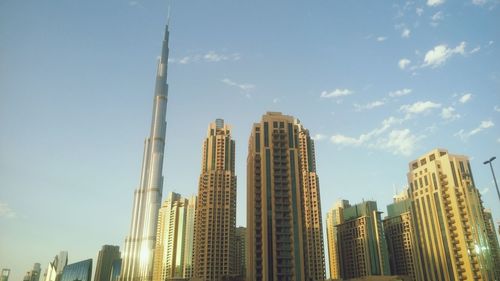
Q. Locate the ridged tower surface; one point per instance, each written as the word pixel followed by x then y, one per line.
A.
pixel 138 255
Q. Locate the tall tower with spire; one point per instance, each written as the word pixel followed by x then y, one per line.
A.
pixel 139 245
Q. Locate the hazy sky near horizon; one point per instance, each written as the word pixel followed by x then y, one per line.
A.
pixel 378 83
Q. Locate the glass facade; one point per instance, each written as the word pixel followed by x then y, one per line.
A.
pixel 80 271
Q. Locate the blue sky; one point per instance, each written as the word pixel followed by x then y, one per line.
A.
pixel 378 83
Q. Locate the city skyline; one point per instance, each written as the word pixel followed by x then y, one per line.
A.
pixel 398 122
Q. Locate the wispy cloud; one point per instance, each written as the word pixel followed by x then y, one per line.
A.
pixel 242 86
pixel 419 11
pixel 496 108
pixel 448 113
pixel 400 93
pixel 381 39
pixel 465 98
pixel 318 137
pixel 484 125
pixel 6 211
pixel 336 93
pixel 441 53
pixel 419 107
pixel 397 141
pixel 475 50
pixel 434 2
pixel 370 105
pixel 437 18
pixel 403 63
pixel 406 33
pixel 210 56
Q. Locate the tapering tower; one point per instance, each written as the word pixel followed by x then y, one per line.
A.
pixel 139 245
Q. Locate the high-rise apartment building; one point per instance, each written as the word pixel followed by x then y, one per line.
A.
pixel 116 268
pixel 81 271
pixel 33 274
pixel 398 229
pixel 362 246
pixel 215 227
pixel 107 255
pixel 448 218
pixel 240 246
pixel 174 239
pixel 494 248
pixel 334 217
pixel 137 262
pixel 284 224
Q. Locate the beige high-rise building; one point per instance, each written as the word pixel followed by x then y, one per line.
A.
pixel 334 217
pixel 285 238
pixel 448 218
pixel 241 246
pixel 361 242
pixel 493 242
pixel 174 240
pixel 216 209
pixel 398 228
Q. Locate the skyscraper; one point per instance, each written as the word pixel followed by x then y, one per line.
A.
pixel 240 256
pixel 334 217
pixel 448 218
pixel 139 245
pixel 399 233
pixel 33 274
pixel 5 274
pixel 78 271
pixel 493 243
pixel 214 246
pixel 107 255
pixel 55 268
pixel 285 237
pixel 361 241
pixel 174 241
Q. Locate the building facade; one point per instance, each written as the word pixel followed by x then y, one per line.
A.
pixel 285 236
pixel 55 268
pixel 5 274
pixel 215 226
pixel 334 217
pixel 494 248
pixel 174 240
pixel 116 268
pixel 81 271
pixel 398 228
pixel 447 213
pixel 140 243
pixel 362 246
pixel 241 246
pixel 107 255
pixel 33 274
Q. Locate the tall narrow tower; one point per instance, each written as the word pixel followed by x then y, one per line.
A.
pixel 139 244
pixel 214 247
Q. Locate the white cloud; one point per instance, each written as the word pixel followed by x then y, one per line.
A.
pixel 484 190
pixel 406 33
pixel 381 38
pixel 6 211
pixel 210 56
pixel 465 98
pixel 448 113
pixel 441 53
pixel 370 105
pixel 276 100
pixel 400 93
pixel 344 140
pixel 419 107
pixel 434 2
pixel 336 93
pixel 403 63
pixel 419 11
pixel 318 137
pixel 484 125
pixel 496 108
pixel 475 50
pixel 243 86
pixel 479 2
pixel 399 142
pixel 438 16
